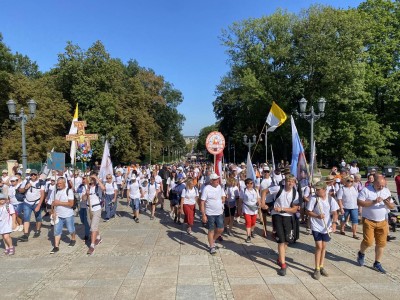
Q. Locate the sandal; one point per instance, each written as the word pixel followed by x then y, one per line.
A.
pixel 11 251
pixel 343 233
pixel 356 237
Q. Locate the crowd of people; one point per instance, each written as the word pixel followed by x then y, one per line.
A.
pixel 221 200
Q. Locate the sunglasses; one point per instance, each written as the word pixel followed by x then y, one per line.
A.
pixel 33 174
pixel 108 177
pixel 348 181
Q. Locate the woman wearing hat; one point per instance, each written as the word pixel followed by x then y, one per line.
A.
pixel 251 202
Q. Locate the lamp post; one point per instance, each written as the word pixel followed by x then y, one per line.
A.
pixel 248 142
pixel 311 118
pixel 23 118
pixel 234 154
pixel 266 143
pixel 111 141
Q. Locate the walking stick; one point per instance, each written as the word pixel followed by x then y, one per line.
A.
pixel 320 210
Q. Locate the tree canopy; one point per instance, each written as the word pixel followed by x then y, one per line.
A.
pixel 349 57
pixel 127 101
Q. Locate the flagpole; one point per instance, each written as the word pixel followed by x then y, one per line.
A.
pixel 266 144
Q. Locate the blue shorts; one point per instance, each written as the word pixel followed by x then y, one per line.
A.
pixel 353 215
pixel 19 208
pixel 318 236
pixel 215 221
pixel 28 209
pixel 134 204
pixel 69 223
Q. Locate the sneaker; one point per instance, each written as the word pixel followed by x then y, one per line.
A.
pixel 253 235
pixel 317 274
pixel 106 220
pixel 248 240
pixel 98 241
pixel 390 238
pixel 171 214
pixel 324 272
pixel 23 238
pixel 348 225
pixel 189 232
pixel 20 227
pixel 72 243
pixel 54 250
pixel 378 267
pixel 308 230
pixel 137 220
pixel 6 251
pixel 11 251
pixel 36 234
pixel 90 251
pixel 278 262
pixel 212 250
pixel 282 271
pixel 360 258
pixel 151 218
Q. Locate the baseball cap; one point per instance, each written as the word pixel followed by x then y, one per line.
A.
pixel 214 176
pixel 28 171
pixel 5 171
pixel 33 171
pixel 266 168
pixel 13 178
pixel 329 178
pixel 320 185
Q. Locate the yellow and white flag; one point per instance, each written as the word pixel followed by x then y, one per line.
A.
pixel 276 117
pixel 73 130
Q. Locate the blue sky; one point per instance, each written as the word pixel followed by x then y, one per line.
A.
pixel 178 39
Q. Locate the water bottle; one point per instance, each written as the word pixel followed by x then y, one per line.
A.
pixel 342 218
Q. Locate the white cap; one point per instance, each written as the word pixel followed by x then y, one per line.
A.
pixel 5 171
pixel 266 168
pixel 28 171
pixel 214 176
pixel 133 177
pixel 180 169
pixel 13 178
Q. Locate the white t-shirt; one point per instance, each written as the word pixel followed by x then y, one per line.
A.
pixel 94 198
pixel 6 218
pixel 119 179
pixel 265 183
pixel 110 188
pixel 213 200
pixel 33 193
pixel 272 191
pixel 232 193
pixel 76 181
pixel 50 188
pixel 378 211
pixel 348 195
pixel 328 206
pixel 63 211
pixel 354 170
pixel 277 178
pixel 83 203
pixel 158 180
pixel 152 190
pixel 249 198
pixel 11 195
pixel 284 200
pixel 189 196
pixel 134 189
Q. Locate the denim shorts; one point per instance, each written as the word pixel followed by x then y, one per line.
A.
pixel 28 209
pixel 134 204
pixel 19 208
pixel 217 221
pixel 69 223
pixel 353 215
pixel 318 236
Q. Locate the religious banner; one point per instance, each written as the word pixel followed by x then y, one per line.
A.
pixel 56 161
pixel 83 151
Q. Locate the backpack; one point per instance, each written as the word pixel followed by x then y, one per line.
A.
pixel 174 193
pixel 280 192
pixel 19 196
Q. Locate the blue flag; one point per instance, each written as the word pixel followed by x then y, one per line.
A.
pixel 298 166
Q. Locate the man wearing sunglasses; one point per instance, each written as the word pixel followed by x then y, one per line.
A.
pixel 34 196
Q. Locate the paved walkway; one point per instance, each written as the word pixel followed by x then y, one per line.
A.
pixel 157 259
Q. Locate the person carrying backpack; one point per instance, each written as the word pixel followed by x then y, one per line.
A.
pixel 322 210
pixel 285 206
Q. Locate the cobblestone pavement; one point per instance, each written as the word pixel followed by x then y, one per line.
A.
pixel 157 259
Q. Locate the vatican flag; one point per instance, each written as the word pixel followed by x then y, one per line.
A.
pixel 276 117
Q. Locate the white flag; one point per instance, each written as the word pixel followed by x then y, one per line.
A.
pixel 73 130
pixel 106 164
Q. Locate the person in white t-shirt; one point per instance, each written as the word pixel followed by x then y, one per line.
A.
pixel 347 198
pixel 62 205
pixel 110 197
pixel 150 192
pixel 134 194
pixel 7 220
pixel 189 198
pixel 232 197
pixel 375 199
pixel 212 207
pixel 250 199
pixel 319 209
pixel 285 206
